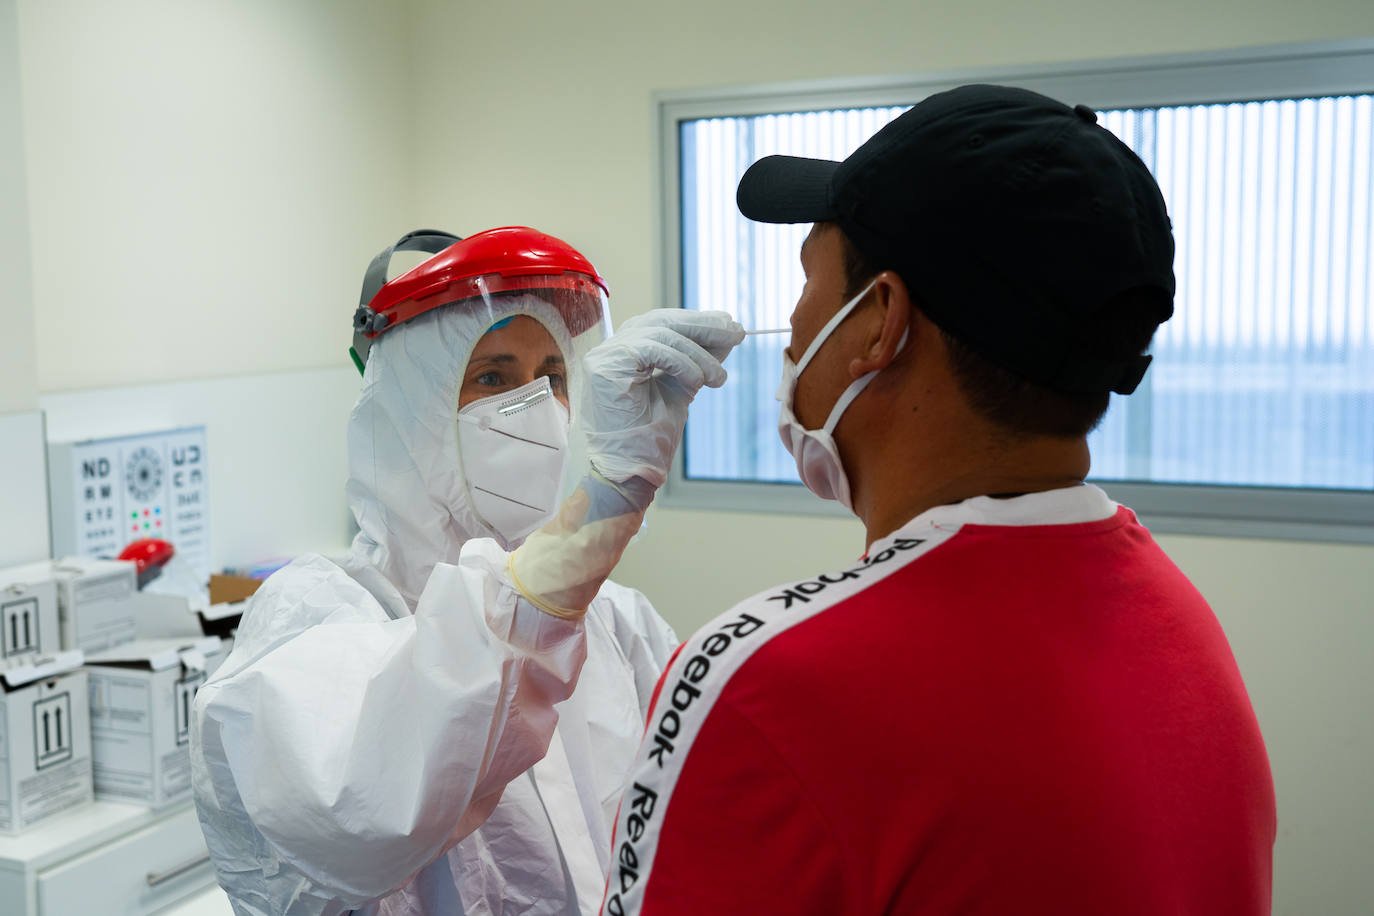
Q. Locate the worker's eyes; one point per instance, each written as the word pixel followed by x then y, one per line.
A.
pixel 558 382
pixel 497 381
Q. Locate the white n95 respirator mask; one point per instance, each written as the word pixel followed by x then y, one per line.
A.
pixel 514 446
pixel 814 450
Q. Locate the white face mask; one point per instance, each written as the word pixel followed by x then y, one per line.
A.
pixel 814 450
pixel 513 447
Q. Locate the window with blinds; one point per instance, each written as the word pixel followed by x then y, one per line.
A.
pixel 1257 414
pixel 1265 374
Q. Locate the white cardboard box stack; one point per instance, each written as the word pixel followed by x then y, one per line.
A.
pixel 118 729
pixel 140 698
pixel 93 608
pixel 28 613
pixel 95 602
pixel 45 741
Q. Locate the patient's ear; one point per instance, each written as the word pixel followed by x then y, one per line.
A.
pixel 885 338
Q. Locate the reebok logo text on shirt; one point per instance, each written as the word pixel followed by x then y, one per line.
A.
pixel 689 689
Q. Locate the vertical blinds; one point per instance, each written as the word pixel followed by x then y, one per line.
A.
pixel 1265 374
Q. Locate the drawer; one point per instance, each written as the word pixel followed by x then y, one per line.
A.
pixel 136 874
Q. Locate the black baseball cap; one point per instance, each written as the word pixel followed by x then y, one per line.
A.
pixel 1012 218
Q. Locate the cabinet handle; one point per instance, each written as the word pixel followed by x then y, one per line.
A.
pixel 190 864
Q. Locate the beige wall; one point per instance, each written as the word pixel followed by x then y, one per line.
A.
pixel 542 114
pixel 545 117
pixel 18 367
pixel 1300 618
pixel 207 181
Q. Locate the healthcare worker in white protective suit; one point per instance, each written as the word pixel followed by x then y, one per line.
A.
pixel 443 723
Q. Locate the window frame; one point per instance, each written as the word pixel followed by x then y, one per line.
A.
pixel 1248 74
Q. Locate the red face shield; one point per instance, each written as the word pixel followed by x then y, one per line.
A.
pixel 506 261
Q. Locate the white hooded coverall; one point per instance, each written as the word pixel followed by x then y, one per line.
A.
pixel 377 740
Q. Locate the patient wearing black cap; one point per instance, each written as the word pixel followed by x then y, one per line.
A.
pixel 1014 702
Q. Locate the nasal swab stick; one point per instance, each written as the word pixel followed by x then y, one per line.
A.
pixel 769 331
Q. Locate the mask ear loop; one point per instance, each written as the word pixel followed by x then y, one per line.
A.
pixel 833 323
pixel 854 390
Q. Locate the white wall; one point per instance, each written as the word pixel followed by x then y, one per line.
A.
pixel 554 127
pixel 208 180
pixel 23 507
pixel 277 462
pixel 25 532
pixel 1300 618
pixel 18 366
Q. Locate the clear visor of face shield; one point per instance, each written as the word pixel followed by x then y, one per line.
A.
pixel 571 308
pixel 581 303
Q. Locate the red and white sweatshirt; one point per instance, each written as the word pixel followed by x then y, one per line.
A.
pixel 1009 706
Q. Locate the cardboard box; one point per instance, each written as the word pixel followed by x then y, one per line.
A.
pixel 28 614
pixel 95 602
pixel 230 596
pixel 45 741
pixel 226 589
pixel 140 701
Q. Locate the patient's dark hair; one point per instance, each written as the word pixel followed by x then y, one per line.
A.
pixel 1021 408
